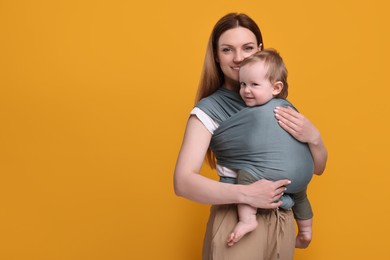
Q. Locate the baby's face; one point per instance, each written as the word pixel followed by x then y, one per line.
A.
pixel 255 87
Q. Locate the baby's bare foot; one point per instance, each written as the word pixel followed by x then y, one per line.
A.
pixel 240 230
pixel 303 239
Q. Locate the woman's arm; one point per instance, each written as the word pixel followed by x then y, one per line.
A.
pixel 190 184
pixel 304 131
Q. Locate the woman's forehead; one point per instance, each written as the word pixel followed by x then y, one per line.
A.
pixel 237 36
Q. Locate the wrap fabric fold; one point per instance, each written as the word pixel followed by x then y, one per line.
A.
pixel 221 105
pixel 250 140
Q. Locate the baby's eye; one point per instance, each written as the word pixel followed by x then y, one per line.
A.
pixel 242 84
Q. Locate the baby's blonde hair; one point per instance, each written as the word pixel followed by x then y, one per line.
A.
pixel 277 70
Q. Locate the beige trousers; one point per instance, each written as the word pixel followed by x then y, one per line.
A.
pixel 274 237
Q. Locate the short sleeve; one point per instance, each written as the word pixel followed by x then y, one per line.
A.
pixel 209 123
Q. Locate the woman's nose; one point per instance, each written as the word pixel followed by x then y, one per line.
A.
pixel 238 57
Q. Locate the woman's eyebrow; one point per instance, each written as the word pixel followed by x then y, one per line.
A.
pixel 225 44
pixel 230 45
pixel 249 43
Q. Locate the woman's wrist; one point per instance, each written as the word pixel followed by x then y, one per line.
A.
pixel 241 196
pixel 316 139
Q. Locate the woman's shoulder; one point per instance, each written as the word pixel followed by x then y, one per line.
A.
pixel 222 96
pixel 221 105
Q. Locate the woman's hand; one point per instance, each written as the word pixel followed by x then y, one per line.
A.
pixel 304 131
pixel 265 194
pixel 297 125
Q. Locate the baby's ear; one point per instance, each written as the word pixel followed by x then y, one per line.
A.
pixel 278 86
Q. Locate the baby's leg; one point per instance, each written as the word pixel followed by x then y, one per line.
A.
pixel 304 235
pixel 303 215
pixel 302 208
pixel 247 223
pixel 246 214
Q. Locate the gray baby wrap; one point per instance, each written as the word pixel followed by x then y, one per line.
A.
pixel 251 140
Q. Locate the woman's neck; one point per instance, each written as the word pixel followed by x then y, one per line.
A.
pixel 233 86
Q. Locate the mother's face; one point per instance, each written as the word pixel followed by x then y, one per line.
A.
pixel 233 47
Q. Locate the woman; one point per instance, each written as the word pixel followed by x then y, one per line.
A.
pixel 235 37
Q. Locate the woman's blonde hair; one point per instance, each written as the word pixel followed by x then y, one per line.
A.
pixel 212 76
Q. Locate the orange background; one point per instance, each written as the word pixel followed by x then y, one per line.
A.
pixel 94 96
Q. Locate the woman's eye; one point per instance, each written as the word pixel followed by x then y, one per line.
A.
pixel 249 48
pixel 226 49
